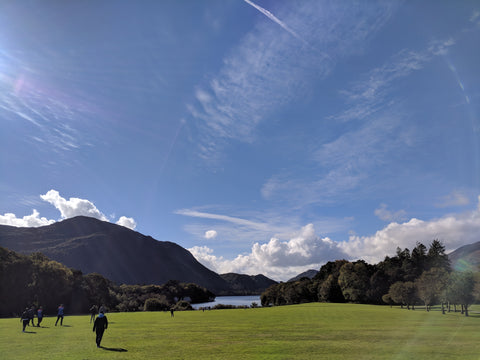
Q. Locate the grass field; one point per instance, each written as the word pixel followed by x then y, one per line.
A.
pixel 310 331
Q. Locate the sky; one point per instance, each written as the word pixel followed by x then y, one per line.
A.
pixel 263 136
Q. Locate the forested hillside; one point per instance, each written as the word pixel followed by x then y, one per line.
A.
pixel 418 277
pixel 37 280
pixel 121 255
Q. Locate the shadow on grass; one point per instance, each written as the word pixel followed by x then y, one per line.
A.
pixel 113 349
pixel 29 332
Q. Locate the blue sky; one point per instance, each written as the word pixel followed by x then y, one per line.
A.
pixel 264 136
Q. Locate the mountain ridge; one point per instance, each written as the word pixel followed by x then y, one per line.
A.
pixel 118 253
pixel 466 257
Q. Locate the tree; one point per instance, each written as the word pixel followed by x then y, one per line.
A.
pixel 379 284
pixel 354 281
pixel 419 259
pixel 403 293
pixel 430 285
pixel 436 257
pixel 462 288
pixel 330 291
pixel 328 288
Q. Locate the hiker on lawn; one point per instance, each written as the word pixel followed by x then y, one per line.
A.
pixel 100 325
pixel 93 312
pixel 31 314
pixel 60 315
pixel 25 319
pixel 39 316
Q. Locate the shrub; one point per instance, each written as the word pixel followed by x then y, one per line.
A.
pixel 182 305
pixel 155 304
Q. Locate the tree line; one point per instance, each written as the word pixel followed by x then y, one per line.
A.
pixel 36 280
pixel 409 278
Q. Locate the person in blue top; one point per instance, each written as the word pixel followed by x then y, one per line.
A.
pixel 39 316
pixel 60 315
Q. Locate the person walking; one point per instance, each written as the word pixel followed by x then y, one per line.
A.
pixel 93 312
pixel 39 316
pixel 25 318
pixel 60 315
pixel 31 314
pixel 100 325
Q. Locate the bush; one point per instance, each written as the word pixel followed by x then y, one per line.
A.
pixel 182 305
pixel 155 304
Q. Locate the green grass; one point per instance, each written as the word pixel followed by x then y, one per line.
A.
pixel 310 331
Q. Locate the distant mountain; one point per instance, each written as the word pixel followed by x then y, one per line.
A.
pixel 123 255
pixel 247 284
pixel 309 274
pixel 118 253
pixel 466 257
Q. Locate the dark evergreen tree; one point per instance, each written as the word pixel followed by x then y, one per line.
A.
pixel 436 256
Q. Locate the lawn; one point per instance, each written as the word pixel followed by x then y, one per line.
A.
pixel 310 331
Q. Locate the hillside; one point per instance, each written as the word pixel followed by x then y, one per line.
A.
pixel 116 252
pixel 247 284
pixel 308 274
pixel 466 257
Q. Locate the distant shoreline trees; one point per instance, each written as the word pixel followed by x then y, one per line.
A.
pixel 37 280
pixel 407 279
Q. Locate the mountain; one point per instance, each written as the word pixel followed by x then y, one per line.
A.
pixel 118 253
pixel 123 255
pixel 247 284
pixel 466 257
pixel 309 274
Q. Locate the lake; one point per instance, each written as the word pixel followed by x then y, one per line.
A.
pixel 231 300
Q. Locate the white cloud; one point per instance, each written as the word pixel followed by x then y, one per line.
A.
pixel 33 220
pixel 386 215
pixel 210 234
pixel 456 198
pixel 68 209
pixel 205 255
pixel 73 207
pixel 127 222
pixel 276 259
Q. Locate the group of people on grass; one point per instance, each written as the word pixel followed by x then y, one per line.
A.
pixel 100 323
pixel 29 314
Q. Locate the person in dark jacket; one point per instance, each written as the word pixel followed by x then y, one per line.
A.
pixel 100 325
pixel 25 318
pixel 31 314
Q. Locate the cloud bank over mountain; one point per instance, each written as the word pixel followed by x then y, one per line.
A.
pixel 67 208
